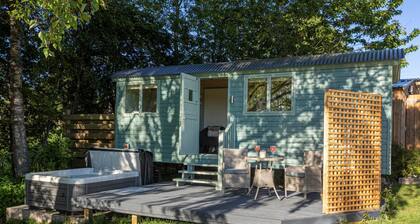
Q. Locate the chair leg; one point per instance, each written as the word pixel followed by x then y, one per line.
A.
pixel 256 193
pixel 305 195
pixel 275 191
pixel 285 193
pixel 249 190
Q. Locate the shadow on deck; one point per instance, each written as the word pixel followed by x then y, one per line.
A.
pixel 203 204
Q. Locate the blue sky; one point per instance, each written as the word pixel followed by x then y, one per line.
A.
pixel 410 18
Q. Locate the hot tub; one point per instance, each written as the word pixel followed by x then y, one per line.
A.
pixel 110 169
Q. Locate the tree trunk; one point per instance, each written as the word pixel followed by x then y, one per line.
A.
pixel 19 144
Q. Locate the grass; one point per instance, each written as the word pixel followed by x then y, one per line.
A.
pixel 111 219
pixel 407 198
pixel 124 219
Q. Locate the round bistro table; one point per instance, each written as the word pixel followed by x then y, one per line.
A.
pixel 264 177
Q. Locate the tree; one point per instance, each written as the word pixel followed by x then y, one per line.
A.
pixel 141 33
pixel 50 19
pixel 233 30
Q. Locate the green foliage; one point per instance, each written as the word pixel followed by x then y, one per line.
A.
pixel 11 194
pixel 412 164
pixel 404 162
pixel 247 29
pixel 402 205
pixel 51 19
pixel 54 155
pixel 50 156
pixel 390 207
pixel 124 219
pixel 5 164
pixel 30 221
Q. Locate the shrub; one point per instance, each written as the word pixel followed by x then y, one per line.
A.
pixel 390 207
pixel 405 163
pixel 5 163
pixel 11 194
pixel 412 163
pixel 54 155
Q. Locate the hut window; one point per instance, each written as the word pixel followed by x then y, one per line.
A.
pixel 149 99
pixel 281 94
pixel 257 95
pixel 271 94
pixel 132 96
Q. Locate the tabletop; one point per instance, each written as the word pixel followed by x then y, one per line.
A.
pixel 265 159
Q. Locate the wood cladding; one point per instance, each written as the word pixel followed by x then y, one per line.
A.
pixel 88 131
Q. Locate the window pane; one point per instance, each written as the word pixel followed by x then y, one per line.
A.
pixel 190 95
pixel 149 103
pixel 132 99
pixel 281 94
pixel 257 95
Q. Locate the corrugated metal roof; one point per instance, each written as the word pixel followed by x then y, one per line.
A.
pixel 404 83
pixel 260 64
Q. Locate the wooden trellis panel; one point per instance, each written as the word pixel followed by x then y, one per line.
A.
pixel 352 153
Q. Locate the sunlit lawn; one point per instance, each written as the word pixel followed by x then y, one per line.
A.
pixel 408 201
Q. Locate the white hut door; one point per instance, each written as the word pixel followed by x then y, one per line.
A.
pixel 189 115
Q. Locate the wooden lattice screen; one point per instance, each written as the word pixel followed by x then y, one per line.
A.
pixel 352 154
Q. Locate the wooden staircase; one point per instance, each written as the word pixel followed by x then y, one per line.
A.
pixel 191 172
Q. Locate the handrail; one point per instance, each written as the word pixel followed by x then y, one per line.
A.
pixel 229 135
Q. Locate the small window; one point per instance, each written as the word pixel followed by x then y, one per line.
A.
pixel 281 94
pixel 257 95
pixel 149 99
pixel 132 97
pixel 190 95
pixel 271 94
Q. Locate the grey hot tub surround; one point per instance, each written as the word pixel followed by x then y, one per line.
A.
pixel 110 169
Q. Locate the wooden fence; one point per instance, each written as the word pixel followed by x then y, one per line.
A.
pixel 352 151
pixel 412 139
pixel 406 120
pixel 89 130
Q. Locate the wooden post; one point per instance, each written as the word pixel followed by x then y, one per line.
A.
pixel 134 219
pixel 86 215
pixel 324 197
pixel 219 186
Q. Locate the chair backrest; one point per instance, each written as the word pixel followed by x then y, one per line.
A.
pixel 310 158
pixel 235 158
pixel 313 158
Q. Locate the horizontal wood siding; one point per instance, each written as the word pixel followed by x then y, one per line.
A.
pixel 87 131
pixel 303 128
pixel 157 132
pixel 297 131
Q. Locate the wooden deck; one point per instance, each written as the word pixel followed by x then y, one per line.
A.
pixel 202 204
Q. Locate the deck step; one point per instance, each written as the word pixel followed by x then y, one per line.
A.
pixel 210 173
pixel 198 164
pixel 196 181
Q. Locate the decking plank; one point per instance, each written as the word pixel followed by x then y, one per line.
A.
pixel 201 204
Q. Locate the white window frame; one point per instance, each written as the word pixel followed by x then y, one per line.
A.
pixel 268 77
pixel 141 87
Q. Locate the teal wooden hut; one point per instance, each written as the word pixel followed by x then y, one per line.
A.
pixel 172 110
